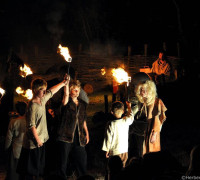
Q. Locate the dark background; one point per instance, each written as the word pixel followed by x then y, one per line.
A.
pixel 129 22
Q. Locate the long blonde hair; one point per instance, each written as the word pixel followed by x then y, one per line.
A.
pixel 150 87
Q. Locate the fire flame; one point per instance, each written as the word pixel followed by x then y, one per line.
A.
pixel 2 91
pixel 25 93
pixel 120 75
pixel 25 71
pixel 103 71
pixel 64 51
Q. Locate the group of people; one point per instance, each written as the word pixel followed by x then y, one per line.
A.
pixel 28 133
pixel 148 112
pixel 131 132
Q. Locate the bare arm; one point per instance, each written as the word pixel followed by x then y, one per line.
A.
pixel 35 134
pixel 9 135
pixel 86 131
pixel 57 87
pixel 66 94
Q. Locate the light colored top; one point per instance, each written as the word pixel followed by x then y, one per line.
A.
pixel 15 135
pixel 161 67
pixel 116 140
pixel 36 116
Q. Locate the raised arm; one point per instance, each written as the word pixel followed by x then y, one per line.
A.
pixel 57 87
pixel 66 94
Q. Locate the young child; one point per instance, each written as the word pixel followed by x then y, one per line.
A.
pixel 116 140
pixel 14 140
pixel 73 133
pixel 32 159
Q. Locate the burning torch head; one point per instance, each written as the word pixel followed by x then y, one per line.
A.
pixel 69 59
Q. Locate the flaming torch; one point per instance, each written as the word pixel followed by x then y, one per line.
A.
pixel 64 51
pixel 25 71
pixel 103 71
pixel 120 75
pixel 25 93
pixel 2 92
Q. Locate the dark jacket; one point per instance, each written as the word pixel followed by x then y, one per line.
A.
pixel 72 116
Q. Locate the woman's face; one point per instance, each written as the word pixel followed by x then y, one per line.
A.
pixel 143 92
pixel 75 92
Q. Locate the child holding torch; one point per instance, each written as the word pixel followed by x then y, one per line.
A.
pixel 73 133
pixel 32 159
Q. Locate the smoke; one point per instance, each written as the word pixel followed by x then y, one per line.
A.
pixel 54 19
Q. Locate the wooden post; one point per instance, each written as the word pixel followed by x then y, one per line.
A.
pixel 106 103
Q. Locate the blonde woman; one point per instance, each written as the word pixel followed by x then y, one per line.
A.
pixel 153 109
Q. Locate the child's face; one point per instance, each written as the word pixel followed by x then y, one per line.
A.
pixel 75 92
pixel 118 113
pixel 41 92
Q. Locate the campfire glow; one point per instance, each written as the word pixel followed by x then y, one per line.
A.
pixel 25 93
pixel 25 71
pixel 120 75
pixel 64 51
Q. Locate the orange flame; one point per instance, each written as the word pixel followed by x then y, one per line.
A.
pixel 64 51
pixel 120 75
pixel 25 93
pixel 2 91
pixel 103 71
pixel 25 71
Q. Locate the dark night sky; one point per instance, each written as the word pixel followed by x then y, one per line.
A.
pixel 127 22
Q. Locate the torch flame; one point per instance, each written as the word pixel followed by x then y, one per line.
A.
pixel 19 90
pixel 25 71
pixel 120 75
pixel 64 51
pixel 2 91
pixel 28 94
pixel 103 71
pixel 25 93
